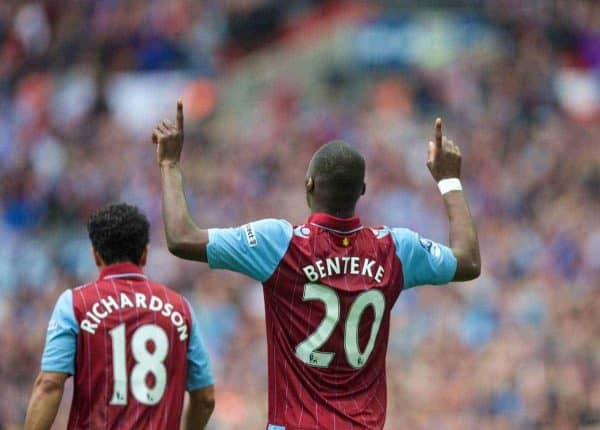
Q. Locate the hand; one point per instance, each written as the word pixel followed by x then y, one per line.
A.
pixel 168 139
pixel 444 156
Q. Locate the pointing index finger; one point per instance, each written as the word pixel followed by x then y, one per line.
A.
pixel 438 132
pixel 179 115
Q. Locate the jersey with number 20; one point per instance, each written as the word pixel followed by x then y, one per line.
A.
pixel 329 286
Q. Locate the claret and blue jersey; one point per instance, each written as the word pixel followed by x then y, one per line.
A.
pixel 329 286
pixel 133 347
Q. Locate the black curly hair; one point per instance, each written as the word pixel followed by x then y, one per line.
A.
pixel 119 233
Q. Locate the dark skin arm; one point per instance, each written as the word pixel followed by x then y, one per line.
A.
pixel 202 404
pixel 444 162
pixel 45 400
pixel 184 238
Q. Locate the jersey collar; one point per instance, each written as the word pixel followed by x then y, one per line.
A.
pixel 335 224
pixel 122 270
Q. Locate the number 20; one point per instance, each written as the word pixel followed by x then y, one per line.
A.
pixel 307 349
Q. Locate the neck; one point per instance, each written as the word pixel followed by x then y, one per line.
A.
pixel 101 264
pixel 336 212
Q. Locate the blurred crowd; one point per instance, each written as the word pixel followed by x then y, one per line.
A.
pixel 518 348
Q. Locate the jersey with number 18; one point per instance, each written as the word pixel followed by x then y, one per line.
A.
pixel 329 286
pixel 133 347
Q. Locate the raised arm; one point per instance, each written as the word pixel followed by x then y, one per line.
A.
pixel 444 163
pixel 184 238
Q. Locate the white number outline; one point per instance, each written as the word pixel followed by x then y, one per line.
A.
pixel 355 357
pixel 146 362
pixel 119 359
pixel 307 350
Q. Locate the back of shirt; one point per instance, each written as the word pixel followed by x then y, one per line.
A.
pixel 328 315
pixel 329 288
pixel 137 350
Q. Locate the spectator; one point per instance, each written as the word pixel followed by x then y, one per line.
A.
pixel 519 348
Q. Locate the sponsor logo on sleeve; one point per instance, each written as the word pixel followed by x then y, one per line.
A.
pixel 431 247
pixel 250 235
pixel 52 325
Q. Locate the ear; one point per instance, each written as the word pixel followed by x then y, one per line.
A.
pixel 364 189
pixel 309 183
pixel 144 257
pixel 97 259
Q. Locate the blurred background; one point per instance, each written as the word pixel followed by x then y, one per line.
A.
pixel 264 84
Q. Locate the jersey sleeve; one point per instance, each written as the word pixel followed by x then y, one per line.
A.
pixel 61 338
pixel 423 261
pixel 254 249
pixel 199 373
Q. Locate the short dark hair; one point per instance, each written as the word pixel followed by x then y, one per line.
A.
pixel 119 233
pixel 339 172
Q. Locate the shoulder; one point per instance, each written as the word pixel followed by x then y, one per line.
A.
pixel 424 261
pixel 380 234
pixel 64 311
pixel 379 231
pixel 84 295
pixel 404 240
pixel 65 300
pixel 83 289
pixel 401 233
pixel 409 243
pixel 177 300
pixel 253 249
pixel 268 229
pixel 403 237
pixel 255 236
pixel 252 233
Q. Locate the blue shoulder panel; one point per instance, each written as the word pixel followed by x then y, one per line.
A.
pixel 423 261
pixel 254 249
pixel 199 373
pixel 61 339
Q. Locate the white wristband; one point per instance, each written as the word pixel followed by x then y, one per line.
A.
pixel 450 184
